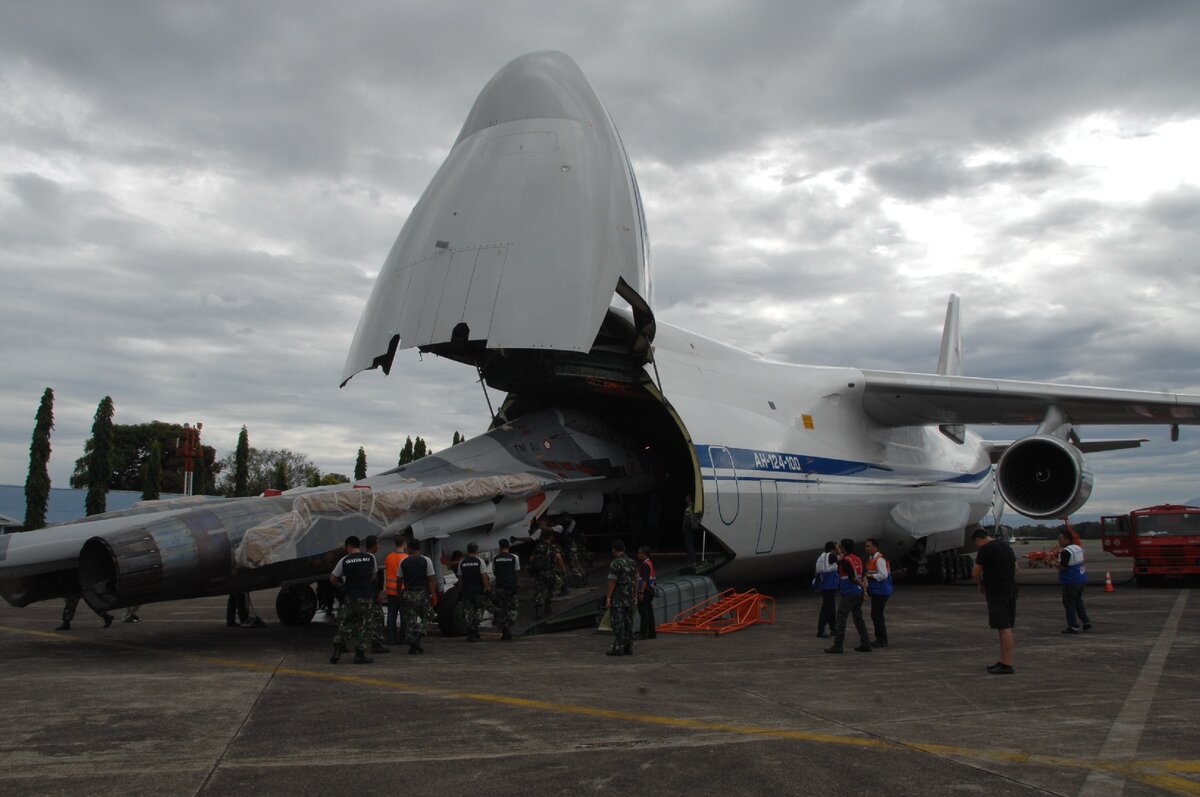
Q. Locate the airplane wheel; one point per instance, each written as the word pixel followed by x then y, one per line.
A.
pixel 451 613
pixel 296 604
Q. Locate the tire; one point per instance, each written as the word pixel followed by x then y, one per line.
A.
pixel 296 604
pixel 451 613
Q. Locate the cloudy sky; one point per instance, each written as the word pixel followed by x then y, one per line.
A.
pixel 195 198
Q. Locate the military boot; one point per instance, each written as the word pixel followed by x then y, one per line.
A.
pixel 66 626
pixel 361 658
pixel 337 654
pixel 616 651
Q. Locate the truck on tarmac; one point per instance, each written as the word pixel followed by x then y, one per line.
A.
pixel 1163 541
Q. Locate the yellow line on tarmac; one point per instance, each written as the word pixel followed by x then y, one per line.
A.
pixel 1164 774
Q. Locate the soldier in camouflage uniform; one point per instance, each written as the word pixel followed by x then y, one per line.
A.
pixel 622 574
pixel 504 590
pixel 474 586
pixel 576 551
pixel 357 572
pixel 547 567
pixel 416 599
pixel 371 543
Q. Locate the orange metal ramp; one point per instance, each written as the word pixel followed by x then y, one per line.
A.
pixel 723 613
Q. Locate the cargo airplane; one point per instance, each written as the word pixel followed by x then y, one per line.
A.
pixel 527 259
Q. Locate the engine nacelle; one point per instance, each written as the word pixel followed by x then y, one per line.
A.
pixel 1043 477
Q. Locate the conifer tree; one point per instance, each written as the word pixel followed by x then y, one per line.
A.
pixel 241 465
pixel 360 465
pixel 419 449
pixel 100 464
pixel 406 453
pixel 457 439
pixel 37 483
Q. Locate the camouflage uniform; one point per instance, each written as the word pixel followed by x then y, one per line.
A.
pixel 504 608
pixel 624 572
pixel 547 579
pixel 575 555
pixel 473 608
pixel 376 624
pixel 416 609
pixel 354 623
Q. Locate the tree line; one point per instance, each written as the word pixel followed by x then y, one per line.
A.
pixel 149 457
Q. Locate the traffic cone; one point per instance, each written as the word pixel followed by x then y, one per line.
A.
pixel 1108 587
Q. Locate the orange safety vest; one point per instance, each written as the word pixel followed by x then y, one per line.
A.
pixel 391 567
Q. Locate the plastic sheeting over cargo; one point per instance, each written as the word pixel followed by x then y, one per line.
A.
pixel 388 510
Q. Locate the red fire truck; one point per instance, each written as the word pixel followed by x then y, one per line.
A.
pixel 1163 540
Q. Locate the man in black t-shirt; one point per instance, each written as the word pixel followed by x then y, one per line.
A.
pixel 996 574
pixel 474 590
pixel 356 572
pixel 504 592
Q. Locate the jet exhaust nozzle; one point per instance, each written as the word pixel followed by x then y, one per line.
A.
pixel 1042 476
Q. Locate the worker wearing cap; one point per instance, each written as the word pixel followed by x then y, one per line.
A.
pixel 1073 577
pixel 356 571
pixel 879 589
pixel 622 574
pixel 505 566
pixel 474 585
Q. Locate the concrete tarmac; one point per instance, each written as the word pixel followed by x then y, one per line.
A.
pixel 181 704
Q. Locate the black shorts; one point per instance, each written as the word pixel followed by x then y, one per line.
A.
pixel 1002 610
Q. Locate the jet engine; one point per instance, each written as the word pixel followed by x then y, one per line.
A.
pixel 1042 476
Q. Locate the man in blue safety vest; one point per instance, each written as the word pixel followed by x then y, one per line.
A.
pixel 879 589
pixel 1073 577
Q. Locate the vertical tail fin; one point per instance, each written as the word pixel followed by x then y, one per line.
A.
pixel 950 357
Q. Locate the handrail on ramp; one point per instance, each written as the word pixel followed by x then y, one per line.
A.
pixel 723 613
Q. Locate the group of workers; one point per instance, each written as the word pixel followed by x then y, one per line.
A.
pixel 406 582
pixel 845 582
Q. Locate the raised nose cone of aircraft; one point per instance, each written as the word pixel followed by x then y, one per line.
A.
pixel 542 85
pixel 524 233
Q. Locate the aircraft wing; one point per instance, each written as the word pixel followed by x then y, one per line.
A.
pixel 905 399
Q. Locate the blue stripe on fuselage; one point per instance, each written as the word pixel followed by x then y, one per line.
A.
pixel 749 459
